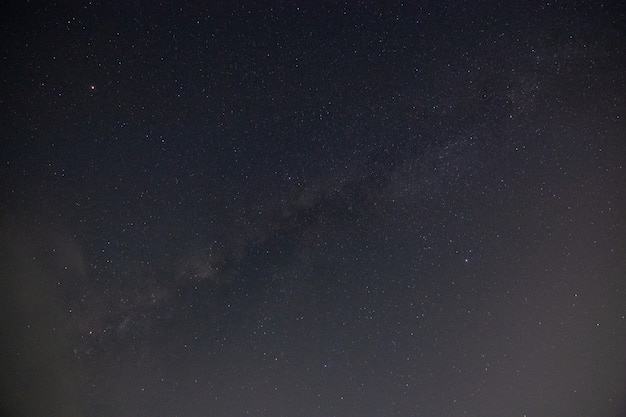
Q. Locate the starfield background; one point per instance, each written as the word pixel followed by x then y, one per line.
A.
pixel 312 209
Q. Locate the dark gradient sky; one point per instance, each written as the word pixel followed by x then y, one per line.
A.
pixel 313 209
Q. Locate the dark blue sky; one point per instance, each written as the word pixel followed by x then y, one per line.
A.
pixel 313 209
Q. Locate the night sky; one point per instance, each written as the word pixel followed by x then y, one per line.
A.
pixel 313 209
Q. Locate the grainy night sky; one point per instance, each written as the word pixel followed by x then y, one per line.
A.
pixel 313 209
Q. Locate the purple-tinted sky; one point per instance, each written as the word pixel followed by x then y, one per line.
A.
pixel 311 209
